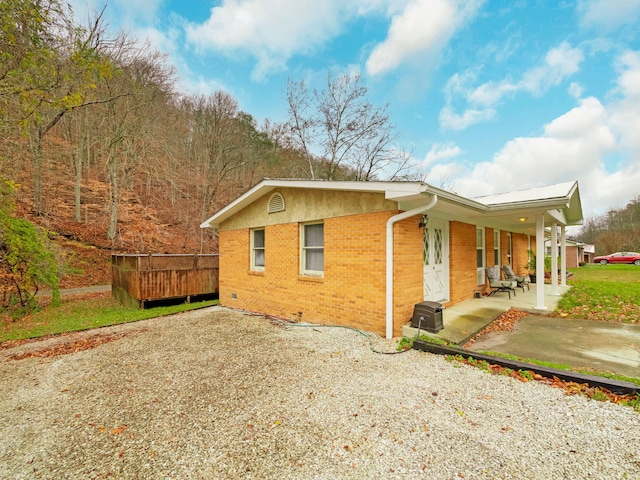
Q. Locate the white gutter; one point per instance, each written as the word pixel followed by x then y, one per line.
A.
pixel 389 286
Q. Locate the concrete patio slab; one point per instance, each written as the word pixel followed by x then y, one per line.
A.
pixel 465 319
pixel 605 346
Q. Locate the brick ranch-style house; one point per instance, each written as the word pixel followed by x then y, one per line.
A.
pixel 362 254
pixel 577 253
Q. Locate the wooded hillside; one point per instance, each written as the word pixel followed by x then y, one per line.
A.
pixel 106 151
pixel 100 149
pixel 617 230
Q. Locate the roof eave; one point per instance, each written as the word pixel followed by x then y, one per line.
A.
pixel 394 191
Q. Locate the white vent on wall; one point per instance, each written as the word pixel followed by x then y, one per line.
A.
pixel 276 203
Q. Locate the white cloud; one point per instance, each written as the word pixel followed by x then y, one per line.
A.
pixel 449 120
pixel 576 90
pixel 441 151
pixel 440 175
pixel 270 31
pixel 144 10
pixel 628 65
pixel 625 111
pixel 595 143
pixel 608 14
pixel 560 63
pixel 491 93
pixel 420 30
pixel 572 147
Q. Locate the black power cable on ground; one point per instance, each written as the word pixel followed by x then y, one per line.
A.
pixel 287 323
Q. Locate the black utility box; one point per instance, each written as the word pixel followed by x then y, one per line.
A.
pixel 427 316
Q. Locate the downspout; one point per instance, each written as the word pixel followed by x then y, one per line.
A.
pixel 563 256
pixel 389 276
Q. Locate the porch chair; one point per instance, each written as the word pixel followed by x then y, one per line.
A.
pixel 497 285
pixel 521 280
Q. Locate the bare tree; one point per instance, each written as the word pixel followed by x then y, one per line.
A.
pixel 215 147
pixel 129 120
pixel 341 134
pixel 71 64
pixel 302 123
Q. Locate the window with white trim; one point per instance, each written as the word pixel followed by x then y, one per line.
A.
pixel 257 249
pixel 496 247
pixel 480 258
pixel 312 249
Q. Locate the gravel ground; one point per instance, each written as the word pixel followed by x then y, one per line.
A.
pixel 217 394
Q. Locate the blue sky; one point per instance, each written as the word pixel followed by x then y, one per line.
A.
pixel 489 96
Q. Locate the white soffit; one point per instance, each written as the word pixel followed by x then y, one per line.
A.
pixel 549 192
pixel 410 195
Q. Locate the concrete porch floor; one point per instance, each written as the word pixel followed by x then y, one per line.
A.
pixel 465 319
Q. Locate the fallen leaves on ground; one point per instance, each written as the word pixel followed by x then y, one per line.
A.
pixel 619 312
pixel 70 347
pixel 597 393
pixel 504 323
pixel 118 430
pixel 570 388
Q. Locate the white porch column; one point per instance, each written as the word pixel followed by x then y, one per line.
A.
pixel 554 259
pixel 563 256
pixel 540 262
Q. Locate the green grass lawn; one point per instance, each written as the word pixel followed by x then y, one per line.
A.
pixel 600 292
pixel 73 315
pixel 603 292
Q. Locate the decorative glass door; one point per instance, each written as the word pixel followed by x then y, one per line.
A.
pixel 435 264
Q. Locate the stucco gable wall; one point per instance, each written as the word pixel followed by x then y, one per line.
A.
pixel 307 205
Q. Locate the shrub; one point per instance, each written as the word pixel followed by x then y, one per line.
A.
pixel 27 259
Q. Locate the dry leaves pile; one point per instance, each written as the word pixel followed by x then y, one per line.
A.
pixel 66 348
pixel 504 323
pixel 570 388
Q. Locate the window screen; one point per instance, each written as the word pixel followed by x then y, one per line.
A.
pixel 313 247
pixel 257 249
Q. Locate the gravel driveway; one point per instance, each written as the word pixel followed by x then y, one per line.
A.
pixel 216 394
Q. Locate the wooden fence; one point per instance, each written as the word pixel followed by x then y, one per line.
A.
pixel 137 279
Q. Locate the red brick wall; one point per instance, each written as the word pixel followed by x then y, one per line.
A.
pixel 489 244
pixel 352 291
pixel 520 252
pixel 573 256
pixel 462 261
pixel 504 259
pixel 408 271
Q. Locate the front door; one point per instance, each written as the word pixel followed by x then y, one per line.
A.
pixel 435 260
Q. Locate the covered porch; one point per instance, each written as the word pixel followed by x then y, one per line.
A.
pixel 465 319
pixel 543 213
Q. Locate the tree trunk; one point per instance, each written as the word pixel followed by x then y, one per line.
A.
pixel 114 199
pixel 78 178
pixel 36 160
